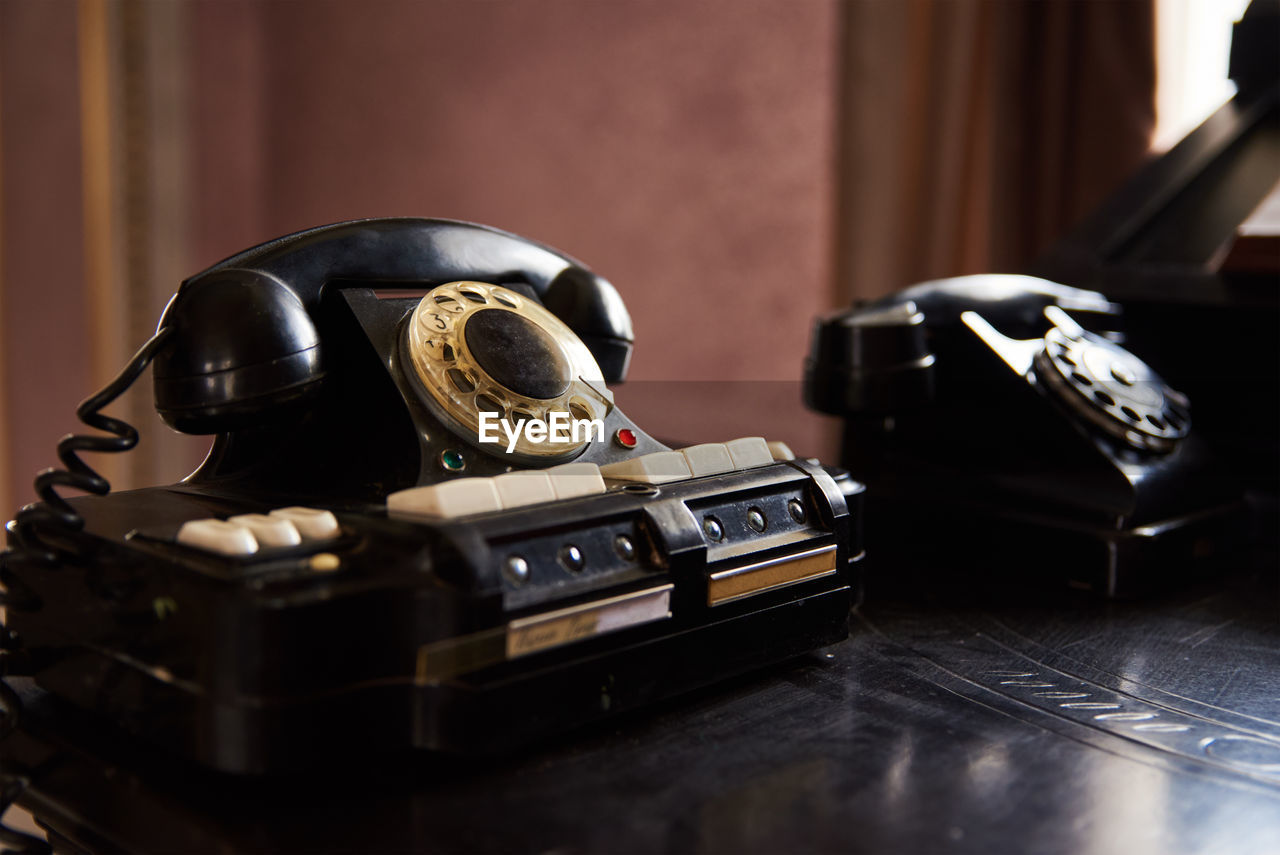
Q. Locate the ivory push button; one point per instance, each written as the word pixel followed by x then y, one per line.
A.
pixel 576 479
pixel 269 531
pixel 657 468
pixel 711 458
pixel 524 487
pixel 464 496
pixel 456 498
pixel 311 523
pixel 749 452
pixel 220 536
pixel 781 451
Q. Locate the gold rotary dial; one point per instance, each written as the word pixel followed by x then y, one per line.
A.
pixel 480 348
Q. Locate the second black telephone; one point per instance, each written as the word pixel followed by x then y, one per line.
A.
pixel 1007 434
pixel 423 521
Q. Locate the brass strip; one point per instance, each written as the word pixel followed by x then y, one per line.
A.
pixel 738 582
pixel 552 629
pixel 450 657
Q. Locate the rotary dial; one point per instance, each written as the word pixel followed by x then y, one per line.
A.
pixel 1113 389
pixel 481 348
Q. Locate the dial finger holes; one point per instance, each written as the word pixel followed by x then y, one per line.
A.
pixel 447 355
pixel 1066 360
pixel 1103 398
pixel 472 295
pixel 506 298
pixel 461 380
pixel 518 416
pixel 489 404
pixel 1081 379
pixel 1156 421
pixel 1130 414
pixel 1173 420
pixel 579 412
pixel 448 303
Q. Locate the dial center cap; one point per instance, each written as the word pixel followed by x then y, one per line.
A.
pixel 518 354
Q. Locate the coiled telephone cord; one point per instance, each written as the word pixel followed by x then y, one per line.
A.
pixel 54 514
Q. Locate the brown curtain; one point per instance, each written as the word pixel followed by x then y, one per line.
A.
pixel 974 132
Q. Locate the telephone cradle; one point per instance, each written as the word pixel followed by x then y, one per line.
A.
pixel 360 566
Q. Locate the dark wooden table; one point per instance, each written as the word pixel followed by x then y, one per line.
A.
pixel 1014 724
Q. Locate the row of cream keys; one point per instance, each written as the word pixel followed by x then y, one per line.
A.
pixel 244 535
pixel 247 533
pixel 523 487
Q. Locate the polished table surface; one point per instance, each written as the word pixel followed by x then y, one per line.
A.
pixel 945 723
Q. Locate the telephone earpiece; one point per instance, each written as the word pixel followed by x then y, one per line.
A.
pixel 243 346
pixel 591 307
pixel 246 346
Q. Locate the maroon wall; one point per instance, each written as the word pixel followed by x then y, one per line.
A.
pixel 683 149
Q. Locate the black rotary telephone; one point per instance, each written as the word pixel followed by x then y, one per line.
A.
pixel 423 522
pixel 299 356
pixel 1008 435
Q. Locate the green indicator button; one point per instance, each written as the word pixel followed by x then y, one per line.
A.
pixel 452 460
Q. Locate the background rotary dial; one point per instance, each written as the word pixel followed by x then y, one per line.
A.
pixel 479 347
pixel 1114 389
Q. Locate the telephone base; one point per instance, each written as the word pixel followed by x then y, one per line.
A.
pixel 485 714
pixel 399 633
pixel 976 545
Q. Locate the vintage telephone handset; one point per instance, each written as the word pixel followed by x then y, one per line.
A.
pixel 423 521
pixel 1000 417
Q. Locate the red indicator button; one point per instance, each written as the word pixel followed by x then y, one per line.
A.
pixel 625 438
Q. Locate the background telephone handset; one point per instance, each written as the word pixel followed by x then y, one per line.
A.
pixel 1003 415
pixel 424 520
